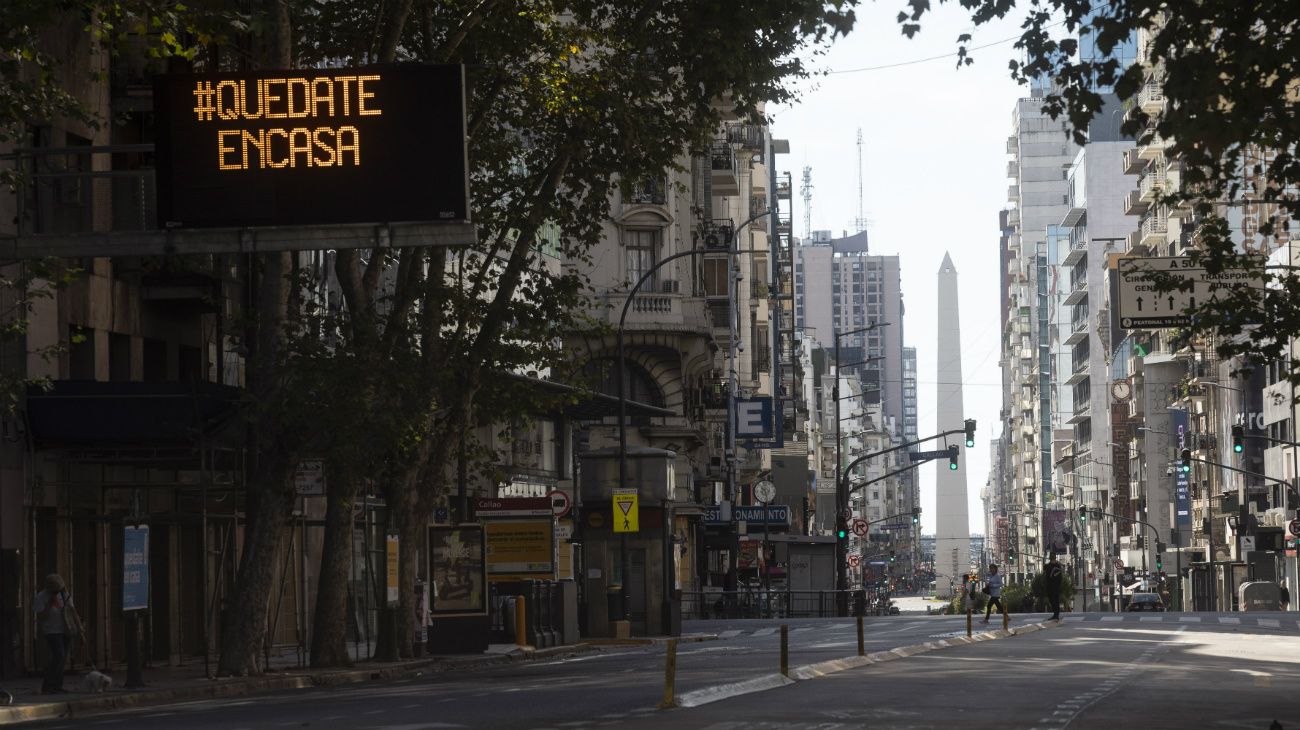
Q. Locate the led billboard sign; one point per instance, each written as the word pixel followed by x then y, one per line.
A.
pixel 311 146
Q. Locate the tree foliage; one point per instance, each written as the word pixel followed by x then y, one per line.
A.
pixel 1229 73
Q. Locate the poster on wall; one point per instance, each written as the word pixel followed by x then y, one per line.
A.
pixel 457 565
pixel 520 549
pixel 1182 485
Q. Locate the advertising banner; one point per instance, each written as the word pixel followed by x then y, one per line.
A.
pixel 135 568
pixel 456 563
pixel 1182 482
pixel 520 549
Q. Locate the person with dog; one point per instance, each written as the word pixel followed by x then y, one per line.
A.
pixel 993 587
pixel 57 621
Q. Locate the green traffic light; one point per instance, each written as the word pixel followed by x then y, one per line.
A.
pixel 1238 448
pixel 952 466
pixel 1187 468
pixel 843 534
pixel 970 443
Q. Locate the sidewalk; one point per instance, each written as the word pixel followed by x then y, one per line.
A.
pixel 166 685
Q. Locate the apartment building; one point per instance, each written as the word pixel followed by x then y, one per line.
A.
pixel 1041 151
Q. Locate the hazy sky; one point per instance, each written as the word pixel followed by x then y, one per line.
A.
pixel 934 178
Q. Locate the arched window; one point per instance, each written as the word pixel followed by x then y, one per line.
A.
pixel 638 385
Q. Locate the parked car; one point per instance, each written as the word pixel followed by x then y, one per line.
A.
pixel 1145 602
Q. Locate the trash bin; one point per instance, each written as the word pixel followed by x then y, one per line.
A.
pixel 614 599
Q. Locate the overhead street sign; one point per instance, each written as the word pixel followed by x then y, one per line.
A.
pixel 1142 304
pixel 924 455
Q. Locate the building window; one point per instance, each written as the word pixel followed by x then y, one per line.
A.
pixel 715 277
pixel 641 246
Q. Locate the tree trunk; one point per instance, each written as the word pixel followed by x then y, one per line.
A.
pixel 329 625
pixel 395 623
pixel 244 618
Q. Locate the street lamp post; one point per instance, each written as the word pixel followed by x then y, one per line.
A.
pixel 731 400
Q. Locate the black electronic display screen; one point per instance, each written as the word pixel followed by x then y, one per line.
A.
pixel 380 144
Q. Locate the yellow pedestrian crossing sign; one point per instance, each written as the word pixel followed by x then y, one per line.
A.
pixel 625 511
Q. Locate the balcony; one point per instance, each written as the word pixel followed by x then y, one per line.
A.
pixel 752 136
pixel 657 312
pixel 1134 204
pixel 1013 169
pixel 1078 331
pixel 1078 252
pixel 1013 145
pixel 1153 231
pixel 1082 412
pixel 1013 217
pixel 1078 292
pixel 783 190
pixel 1151 97
pixel 1133 163
pixel 722 163
pixel 1151 186
pixel 1013 193
pixel 1152 144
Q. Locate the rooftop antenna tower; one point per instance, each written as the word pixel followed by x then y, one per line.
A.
pixel 860 223
pixel 805 192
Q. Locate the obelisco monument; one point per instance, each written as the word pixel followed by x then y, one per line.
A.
pixel 952 538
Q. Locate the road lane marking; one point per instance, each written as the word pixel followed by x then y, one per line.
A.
pixel 1112 618
pixel 731 633
pixel 1271 623
pixel 765 632
pixel 1232 620
pixel 1190 619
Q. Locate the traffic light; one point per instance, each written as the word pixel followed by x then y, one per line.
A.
pixel 1083 514
pixel 891 556
pixel 841 530
pixel 952 458
pixel 916 515
pixel 1186 461
pixel 1011 556
pixel 1160 564
pixel 970 433
pixel 1238 439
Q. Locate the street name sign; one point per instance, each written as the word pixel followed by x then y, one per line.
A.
pixel 1142 304
pixel 923 455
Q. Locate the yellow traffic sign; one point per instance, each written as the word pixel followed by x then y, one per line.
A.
pixel 625 511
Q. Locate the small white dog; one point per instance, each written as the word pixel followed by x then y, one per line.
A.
pixel 96 681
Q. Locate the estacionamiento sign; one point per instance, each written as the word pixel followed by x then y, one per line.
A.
pixel 311 146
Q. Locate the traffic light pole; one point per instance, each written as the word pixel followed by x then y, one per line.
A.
pixel 842 483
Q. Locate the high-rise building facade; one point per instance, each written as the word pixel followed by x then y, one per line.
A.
pixel 1041 151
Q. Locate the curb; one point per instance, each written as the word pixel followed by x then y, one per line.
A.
pixel 243 686
pixel 652 640
pixel 831 666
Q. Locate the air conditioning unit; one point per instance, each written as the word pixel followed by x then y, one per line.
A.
pixel 717 236
pixel 670 286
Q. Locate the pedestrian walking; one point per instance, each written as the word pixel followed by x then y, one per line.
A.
pixel 1284 596
pixel 993 587
pixel 1053 575
pixel 57 621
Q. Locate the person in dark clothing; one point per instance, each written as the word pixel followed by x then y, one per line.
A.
pixel 1053 574
pixel 1284 596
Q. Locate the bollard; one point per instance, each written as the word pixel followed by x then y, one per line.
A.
pixel 521 621
pixel 969 616
pixel 862 647
pixel 1006 619
pixel 785 650
pixel 670 677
